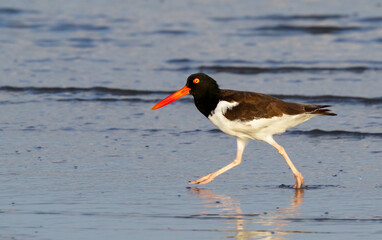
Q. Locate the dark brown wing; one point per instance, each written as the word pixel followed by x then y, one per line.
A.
pixel 257 105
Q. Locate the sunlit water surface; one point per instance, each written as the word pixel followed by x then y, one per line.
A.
pixel 82 156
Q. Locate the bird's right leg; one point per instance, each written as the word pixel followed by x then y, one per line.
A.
pixel 241 143
pixel 299 179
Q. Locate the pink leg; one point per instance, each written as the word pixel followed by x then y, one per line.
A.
pixel 210 177
pixel 299 179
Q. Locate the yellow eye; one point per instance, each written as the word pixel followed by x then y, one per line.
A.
pixel 196 80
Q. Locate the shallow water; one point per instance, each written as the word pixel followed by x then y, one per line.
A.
pixel 82 156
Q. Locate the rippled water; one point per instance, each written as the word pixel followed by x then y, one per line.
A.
pixel 82 156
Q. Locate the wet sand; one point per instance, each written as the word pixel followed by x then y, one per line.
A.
pixel 82 156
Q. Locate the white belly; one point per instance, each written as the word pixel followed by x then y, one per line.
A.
pixel 260 129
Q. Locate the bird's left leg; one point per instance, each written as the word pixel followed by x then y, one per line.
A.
pixel 241 143
pixel 299 179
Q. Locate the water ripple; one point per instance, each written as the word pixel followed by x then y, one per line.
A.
pixel 337 133
pixel 78 27
pixel 315 133
pixel 274 70
pixel 14 11
pixel 74 90
pixel 298 29
pixel 99 93
pixel 278 17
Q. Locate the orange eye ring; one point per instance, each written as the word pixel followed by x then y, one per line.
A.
pixel 196 80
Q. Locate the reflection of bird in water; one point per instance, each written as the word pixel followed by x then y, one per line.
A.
pixel 273 223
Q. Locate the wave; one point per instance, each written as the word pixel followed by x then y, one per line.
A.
pixel 377 19
pixel 298 63
pixel 332 99
pixel 108 100
pixel 299 17
pixel 310 29
pixel 336 133
pixel 14 11
pixel 78 27
pixel 274 70
pixel 285 25
pixel 317 133
pixel 76 90
pixel 278 17
pixel 376 219
pixel 104 93
pixel 59 27
pixel 170 32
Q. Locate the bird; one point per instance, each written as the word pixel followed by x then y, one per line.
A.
pixel 245 115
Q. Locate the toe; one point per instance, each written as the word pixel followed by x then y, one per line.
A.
pixel 203 180
pixel 299 181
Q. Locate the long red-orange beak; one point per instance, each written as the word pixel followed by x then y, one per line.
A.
pixel 173 97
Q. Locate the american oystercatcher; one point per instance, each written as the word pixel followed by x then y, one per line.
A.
pixel 245 115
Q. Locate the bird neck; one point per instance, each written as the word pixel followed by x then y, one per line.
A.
pixel 207 103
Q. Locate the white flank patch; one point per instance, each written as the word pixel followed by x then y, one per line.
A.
pixel 260 129
pixel 223 106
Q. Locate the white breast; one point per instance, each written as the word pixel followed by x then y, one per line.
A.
pixel 260 129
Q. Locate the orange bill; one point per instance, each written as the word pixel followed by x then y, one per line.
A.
pixel 173 97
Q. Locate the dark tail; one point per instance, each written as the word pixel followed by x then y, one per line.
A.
pixel 319 110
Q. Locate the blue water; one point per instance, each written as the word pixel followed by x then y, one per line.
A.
pixel 82 156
